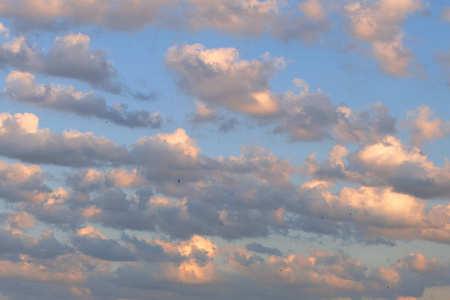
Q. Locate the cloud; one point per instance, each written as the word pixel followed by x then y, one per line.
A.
pixel 312 117
pixel 330 274
pixel 378 24
pixel 28 14
pixel 70 57
pixel 247 17
pixel 20 220
pixel 257 247
pixel 204 114
pixel 20 138
pixel 195 205
pixel 307 117
pixel 91 179
pixel 424 128
pixel 313 9
pixel 22 87
pixel 92 242
pixel 218 77
pixel 233 197
pixel 198 266
pixel 14 243
pixel 446 14
pixel 174 156
pixel 19 182
pixel 386 163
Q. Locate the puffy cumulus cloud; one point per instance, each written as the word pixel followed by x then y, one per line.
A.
pixel 307 117
pixel 251 194
pixel 204 114
pixel 198 266
pixel 65 208
pixel 374 212
pixel 174 156
pixel 70 56
pixel 170 265
pixel 91 179
pixel 261 165
pixel 364 125
pixel 177 218
pixel 218 77
pixel 180 260
pixel 313 9
pixel 305 23
pixel 21 138
pixel 91 242
pixel 312 117
pixel 327 274
pixel 219 196
pixel 22 87
pixel 386 163
pixel 19 182
pixel 378 23
pixel 425 127
pixel 247 17
pixel 412 274
pixel 15 243
pixel 20 220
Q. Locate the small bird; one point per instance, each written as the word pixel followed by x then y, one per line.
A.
pixel 322 218
pixel 179 180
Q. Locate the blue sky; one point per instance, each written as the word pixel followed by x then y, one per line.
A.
pixel 245 149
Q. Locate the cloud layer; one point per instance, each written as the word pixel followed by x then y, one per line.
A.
pixel 279 171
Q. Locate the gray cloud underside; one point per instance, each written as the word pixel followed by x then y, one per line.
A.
pixel 26 90
pixel 70 57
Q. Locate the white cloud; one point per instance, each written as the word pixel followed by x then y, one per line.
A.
pixel 378 24
pixel 388 163
pixel 218 77
pixel 423 127
pixel 70 56
pixel 21 138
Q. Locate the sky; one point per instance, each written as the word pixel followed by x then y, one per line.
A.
pixel 224 149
